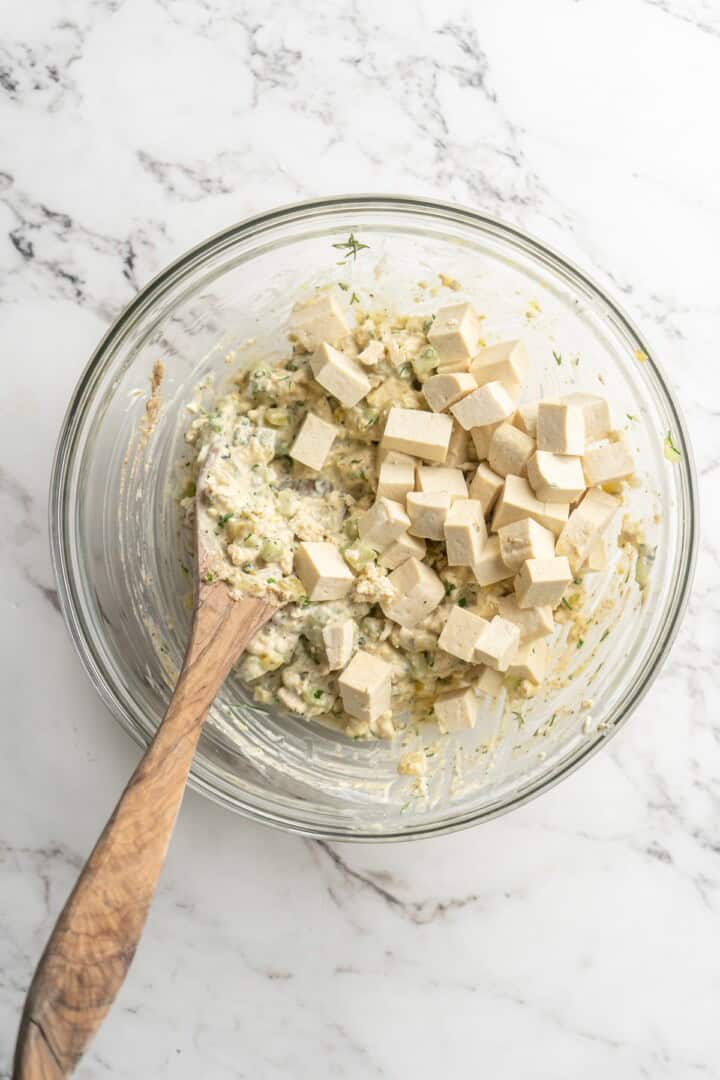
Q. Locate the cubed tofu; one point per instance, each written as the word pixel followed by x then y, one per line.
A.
pixel 533 623
pixel 456 711
pixel 442 478
pixel 497 643
pixel 586 523
pixel 518 501
pixel 404 548
pixel 393 457
pixel 560 428
pixel 489 683
pixel 365 686
pixel 596 415
pixel 542 582
pixel 526 418
pixel 313 442
pixel 340 375
pixel 417 591
pixel 427 511
pixel 458 448
pixel 319 319
pixel 461 633
pixel 490 568
pixel 486 405
pixel 372 354
pixel 441 391
pixel 507 362
pixel 482 437
pixel 383 523
pixel 455 333
pixel 339 642
pixel 524 539
pixel 323 571
pixel 510 450
pixel 598 557
pixel 485 486
pixel 465 532
pixel 530 662
pixel 556 477
pixel 414 431
pixel 394 481
pixel 608 463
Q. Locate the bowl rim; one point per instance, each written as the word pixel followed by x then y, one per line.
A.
pixel 153 291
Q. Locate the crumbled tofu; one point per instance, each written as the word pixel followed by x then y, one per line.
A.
pixel 339 375
pixel 585 524
pixel 489 682
pixel 465 532
pixel 458 448
pixel 556 477
pixel 365 686
pixel 455 333
pixel 510 450
pixel 339 642
pixel 404 548
pixel 383 523
pixel 490 568
pixel 542 582
pixel 497 643
pixel 482 437
pixel 313 442
pixel 485 486
pixel 596 415
pixel 417 432
pixel 518 501
pixel 320 319
pixel 323 571
pixel 461 633
pixel 560 428
pixel 413 763
pixel 442 478
pixel 372 354
pixel 530 661
pixel 486 405
pixel 393 457
pixel 608 463
pixel 526 418
pixel 394 481
pixel 441 391
pixel 524 539
pixel 417 591
pixel 456 710
pixel 507 362
pixel 533 623
pixel 427 511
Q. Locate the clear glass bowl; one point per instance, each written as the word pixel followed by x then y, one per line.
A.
pixel 116 539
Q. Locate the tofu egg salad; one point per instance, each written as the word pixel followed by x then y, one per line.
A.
pixel 415 521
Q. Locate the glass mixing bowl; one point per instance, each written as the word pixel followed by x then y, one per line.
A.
pixel 116 539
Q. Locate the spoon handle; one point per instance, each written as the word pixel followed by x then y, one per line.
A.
pixel 94 940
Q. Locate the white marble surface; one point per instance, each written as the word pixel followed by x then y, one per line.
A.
pixel 578 936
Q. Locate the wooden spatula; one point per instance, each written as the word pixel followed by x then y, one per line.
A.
pixel 94 940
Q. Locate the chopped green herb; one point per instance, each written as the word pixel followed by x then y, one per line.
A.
pixel 223 520
pixel 558 358
pixel 462 602
pixel 304 601
pixel 354 299
pixel 449 588
pixel 519 717
pixel 580 643
pixel 271 581
pixel 670 450
pixel 351 246
pixel 372 421
pixel 209 576
pixel 605 634
pixel 566 604
pixel 317 694
pixel 428 323
pixel 343 285
pixel 631 416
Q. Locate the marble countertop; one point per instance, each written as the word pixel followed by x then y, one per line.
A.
pixel 577 936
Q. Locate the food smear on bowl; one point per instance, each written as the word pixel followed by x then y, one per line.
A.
pixel 422 528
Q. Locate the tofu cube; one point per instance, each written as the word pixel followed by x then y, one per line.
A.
pixel 442 478
pixel 556 477
pixel 526 418
pixel 486 405
pixel 404 548
pixel 560 428
pixel 489 683
pixel 427 511
pixel 313 442
pixel 458 448
pixel 412 431
pixel 507 362
pixel 372 354
pixel 393 457
pixel 596 415
pixel 530 662
pixel 365 686
pixel 482 437
pixel 524 539
pixel 585 525
pixel 533 623
pixel 518 501
pixel 497 644
pixel 339 642
pixel 465 532
pixel 510 450
pixel 490 568
pixel 417 591
pixel 395 481
pixel 319 319
pixel 456 711
pixel 441 391
pixel 323 571
pixel 455 333
pixel 598 557
pixel 608 463
pixel 461 633
pixel 382 523
pixel 485 486
pixel 339 375
pixel 542 582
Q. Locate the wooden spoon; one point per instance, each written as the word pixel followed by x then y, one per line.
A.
pixel 94 940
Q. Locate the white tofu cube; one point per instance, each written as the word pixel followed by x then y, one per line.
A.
pixel 533 623
pixel 596 415
pixel 526 418
pixel 530 662
pixel 490 568
pixel 339 375
pixel 417 591
pixel 465 532
pixel 319 319
pixel 441 391
pixel 507 362
pixel 427 511
pixel 510 450
pixel 607 464
pixel 456 711
pixel 404 548
pixel 497 644
pixel 560 428
pixel 518 501
pixel 556 477
pixel 372 354
pixel 485 486
pixel 486 405
pixel 393 457
pixel 414 431
pixel 489 683
pixel 461 633
pixel 383 523
pixel 313 442
pixel 455 333
pixel 339 642
pixel 542 582
pixel 366 686
pixel 323 571
pixel 441 478
pixel 585 525
pixel 458 448
pixel 598 558
pixel 524 539
pixel 482 437
pixel 394 481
